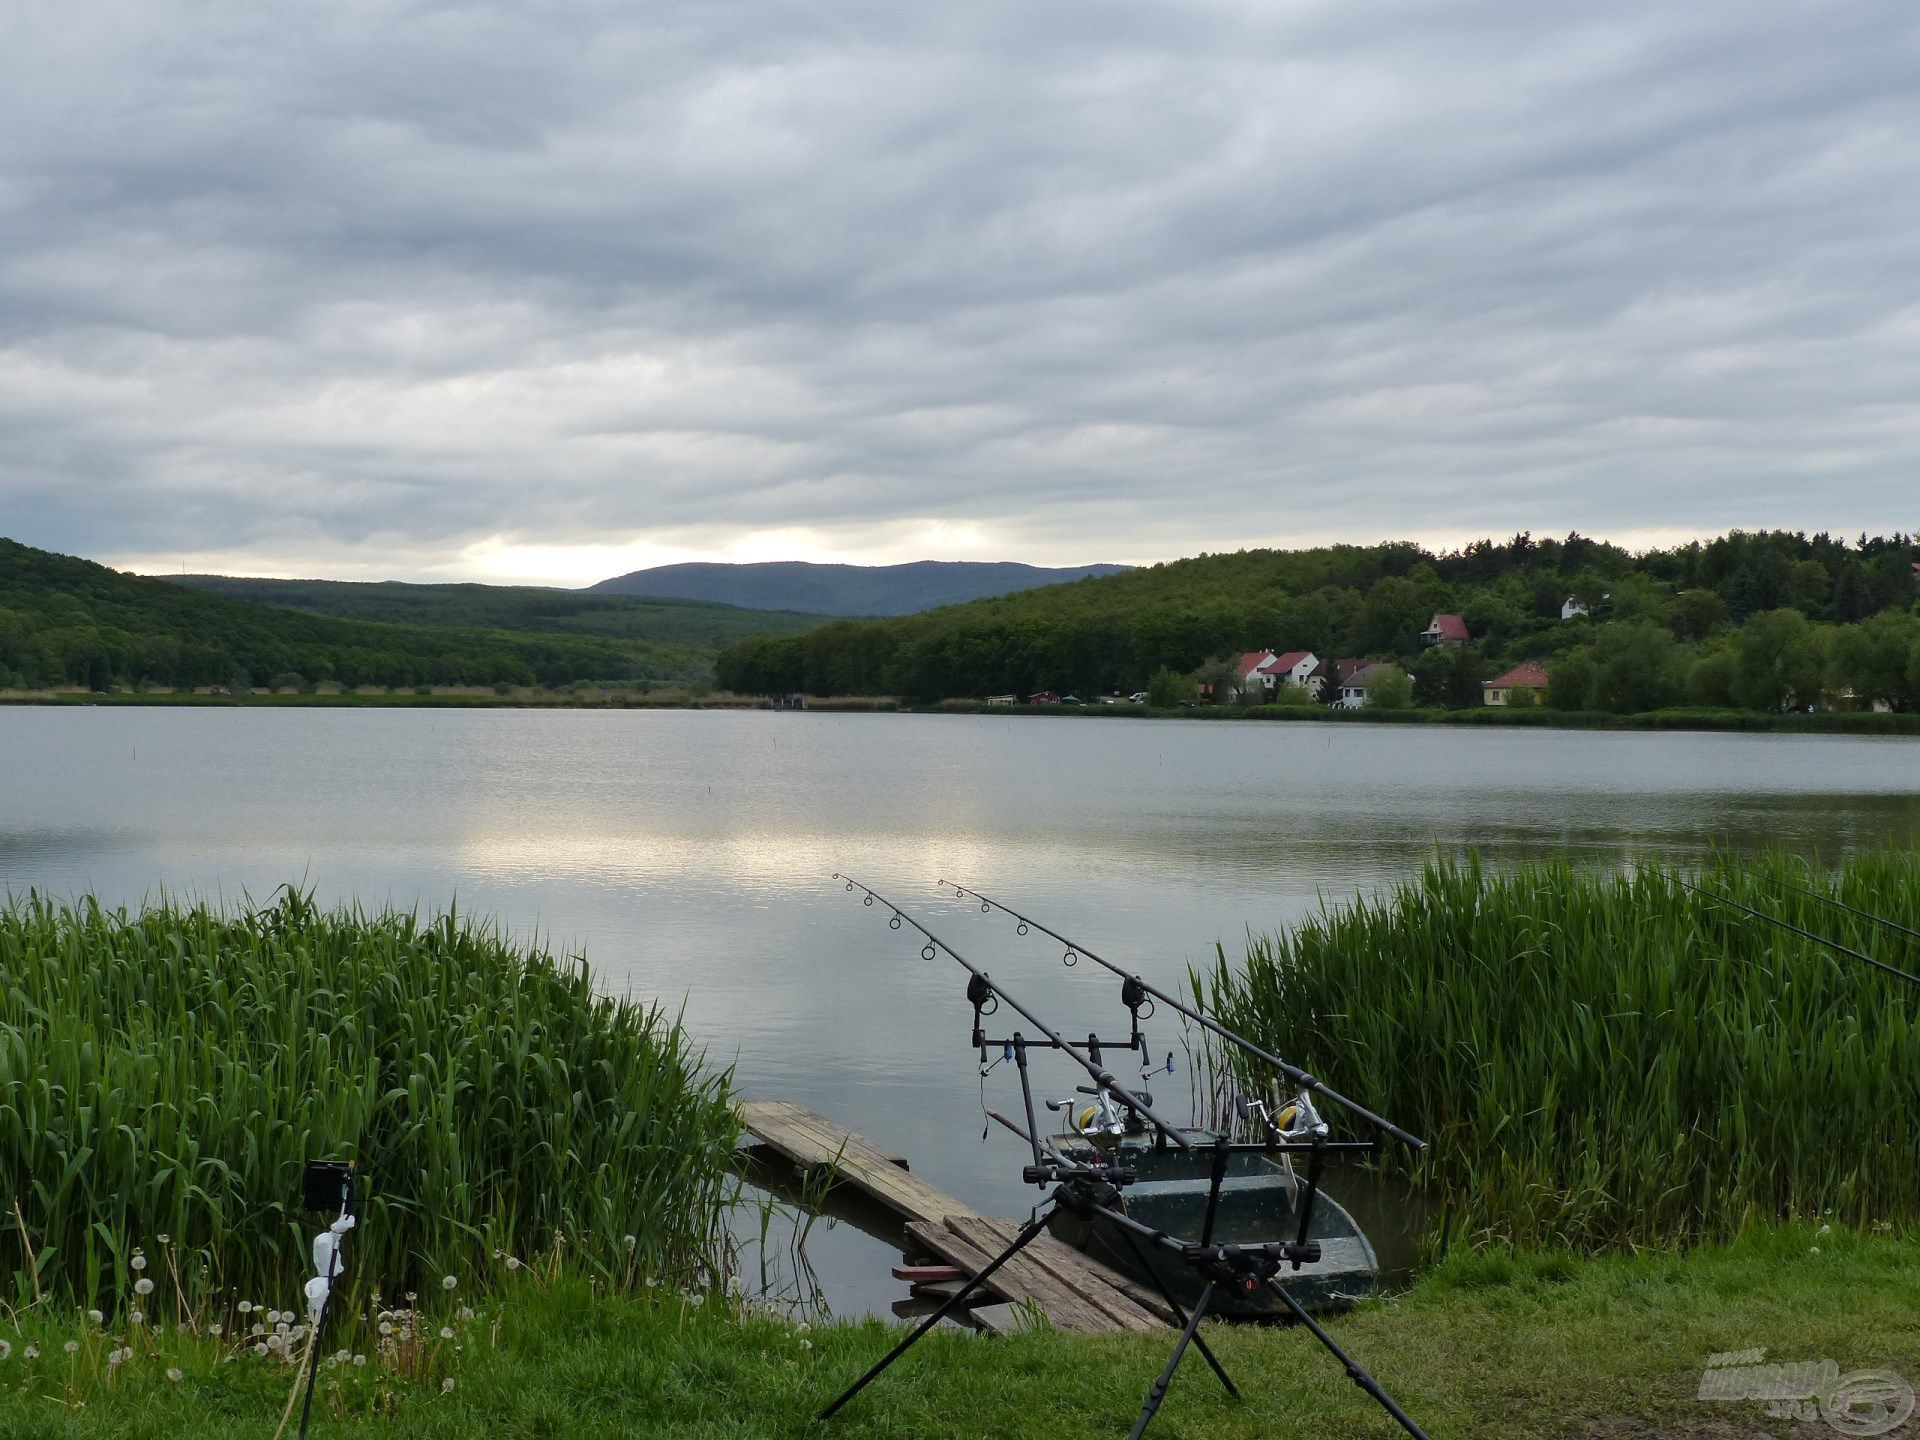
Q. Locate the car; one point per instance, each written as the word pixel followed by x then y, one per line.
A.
pixel 1139 697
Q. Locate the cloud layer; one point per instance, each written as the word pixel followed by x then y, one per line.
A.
pixel 550 291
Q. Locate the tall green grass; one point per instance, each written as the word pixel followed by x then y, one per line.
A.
pixel 169 1072
pixel 1604 1059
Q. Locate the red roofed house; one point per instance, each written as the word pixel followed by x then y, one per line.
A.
pixel 1530 676
pixel 1264 669
pixel 1446 630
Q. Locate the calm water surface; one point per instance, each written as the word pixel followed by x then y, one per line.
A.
pixel 689 855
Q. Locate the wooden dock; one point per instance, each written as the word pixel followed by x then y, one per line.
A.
pixel 947 1239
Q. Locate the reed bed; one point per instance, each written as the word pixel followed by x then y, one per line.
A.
pixel 1604 1059
pixel 166 1074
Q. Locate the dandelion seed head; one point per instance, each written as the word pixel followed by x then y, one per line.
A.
pixel 446 1333
pixel 6 1349
pixel 245 1307
pixel 72 1346
pixel 136 1317
pixel 360 1360
pixel 143 1286
pixel 513 1262
pixel 139 1261
pixel 33 1352
pixel 216 1329
pixel 96 1317
pixel 447 1282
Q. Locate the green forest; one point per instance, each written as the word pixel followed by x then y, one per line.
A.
pixel 1766 621
pixel 66 622
pixel 702 624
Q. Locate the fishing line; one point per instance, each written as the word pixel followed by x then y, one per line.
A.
pixel 1818 939
pixel 1838 904
pixel 1292 1072
pixel 1099 1073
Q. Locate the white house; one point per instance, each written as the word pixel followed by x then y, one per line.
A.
pixel 1354 682
pixel 1296 667
pixel 1571 608
pixel 1263 669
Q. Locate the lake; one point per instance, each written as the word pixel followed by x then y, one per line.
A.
pixel 689 856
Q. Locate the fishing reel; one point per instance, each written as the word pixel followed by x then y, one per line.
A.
pixel 1099 1122
pixel 1297 1121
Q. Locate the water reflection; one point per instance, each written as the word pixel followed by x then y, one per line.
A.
pixel 688 855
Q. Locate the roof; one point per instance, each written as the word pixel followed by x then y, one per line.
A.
pixel 1291 659
pixel 1529 676
pixel 1359 678
pixel 1342 669
pixel 1449 627
pixel 1252 661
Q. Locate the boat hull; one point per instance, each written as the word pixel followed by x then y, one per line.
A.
pixel 1258 1204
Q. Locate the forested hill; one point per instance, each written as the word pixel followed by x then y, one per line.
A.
pixel 845 589
pixel 698 623
pixel 65 621
pixel 1760 619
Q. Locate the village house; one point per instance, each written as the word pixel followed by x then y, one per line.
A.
pixel 1445 630
pixel 1571 608
pixel 1003 699
pixel 1263 670
pixel 1531 675
pixel 1353 677
pixel 1044 697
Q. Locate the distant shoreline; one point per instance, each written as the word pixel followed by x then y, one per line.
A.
pixel 1755 722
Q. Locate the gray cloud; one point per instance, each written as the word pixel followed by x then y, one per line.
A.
pixel 413 289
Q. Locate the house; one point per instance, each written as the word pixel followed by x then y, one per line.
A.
pixel 1445 630
pixel 1255 671
pixel 1571 608
pixel 1296 667
pixel 1354 677
pixel 1044 697
pixel 1264 669
pixel 1529 676
pixel 1003 699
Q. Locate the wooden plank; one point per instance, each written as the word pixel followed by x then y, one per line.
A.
pixel 809 1141
pixel 925 1274
pixel 1005 1318
pixel 1024 1279
pixel 1093 1283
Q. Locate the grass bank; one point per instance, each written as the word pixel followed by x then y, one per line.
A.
pixel 1605 1059
pixel 1489 1347
pixel 165 1074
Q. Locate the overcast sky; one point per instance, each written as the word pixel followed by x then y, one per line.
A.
pixel 552 291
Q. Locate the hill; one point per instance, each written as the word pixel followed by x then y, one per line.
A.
pixel 844 589
pixel 1754 620
pixel 66 621
pixel 698 623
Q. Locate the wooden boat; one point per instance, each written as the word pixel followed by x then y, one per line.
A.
pixel 1257 1204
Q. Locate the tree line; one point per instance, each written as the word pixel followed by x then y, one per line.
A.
pixel 69 622
pixel 1759 620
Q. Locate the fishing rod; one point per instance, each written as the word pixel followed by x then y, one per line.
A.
pixel 1840 904
pixel 1094 1189
pixel 1818 939
pixel 983 985
pixel 1134 985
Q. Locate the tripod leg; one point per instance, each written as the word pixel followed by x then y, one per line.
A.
pixel 1354 1373
pixel 1179 1314
pixel 1033 1228
pixel 1159 1390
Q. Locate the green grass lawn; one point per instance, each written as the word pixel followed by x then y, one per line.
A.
pixel 1487 1347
